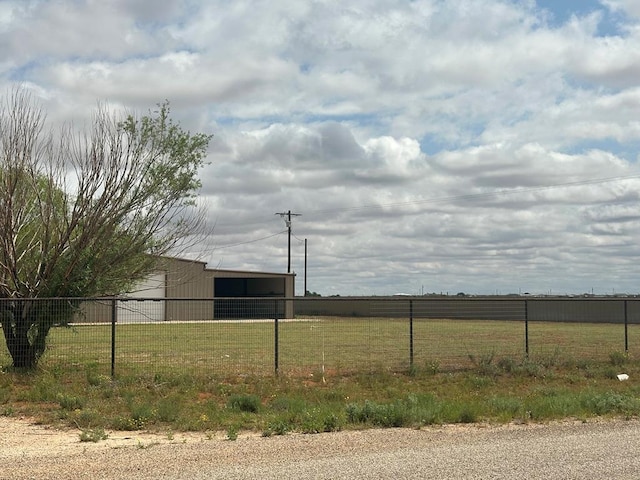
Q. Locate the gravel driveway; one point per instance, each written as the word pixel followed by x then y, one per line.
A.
pixel 568 450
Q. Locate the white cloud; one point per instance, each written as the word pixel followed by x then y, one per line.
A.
pixel 630 7
pixel 462 146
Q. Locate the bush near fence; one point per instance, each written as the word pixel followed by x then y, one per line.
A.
pixel 338 335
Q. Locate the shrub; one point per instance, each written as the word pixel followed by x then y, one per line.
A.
pixel 70 402
pixel 276 427
pixel 618 359
pixel 244 403
pixel 612 403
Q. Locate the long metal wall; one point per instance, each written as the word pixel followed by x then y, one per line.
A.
pixel 543 309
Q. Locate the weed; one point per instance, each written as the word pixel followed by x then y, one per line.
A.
pixel 611 403
pixel 467 415
pixel 70 402
pixel 531 369
pixel 169 408
pixel 86 417
pixel 484 363
pixel 432 367
pixel 5 394
pixel 505 407
pixel 332 423
pixel 244 403
pixel 618 359
pixel 276 427
pixel 232 433
pixel 146 446
pixel 507 364
pixel 554 405
pixel 380 415
pixel 93 435
pixel 288 404
pixel 479 383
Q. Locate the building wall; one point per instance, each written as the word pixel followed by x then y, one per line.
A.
pixel 190 290
pixel 582 310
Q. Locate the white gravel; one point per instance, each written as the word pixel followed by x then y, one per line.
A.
pixel 567 450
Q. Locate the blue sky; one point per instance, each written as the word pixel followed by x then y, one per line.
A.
pixel 562 11
pixel 480 146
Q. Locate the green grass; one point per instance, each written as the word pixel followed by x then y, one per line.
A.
pixel 334 374
pixel 331 344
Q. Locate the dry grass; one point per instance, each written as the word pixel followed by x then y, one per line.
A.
pixel 335 345
pixel 334 373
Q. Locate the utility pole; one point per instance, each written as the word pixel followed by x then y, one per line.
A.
pixel 287 220
pixel 305 267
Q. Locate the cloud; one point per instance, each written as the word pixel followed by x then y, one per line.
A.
pixel 628 7
pixel 474 146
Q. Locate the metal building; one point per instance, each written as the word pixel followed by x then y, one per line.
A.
pixel 186 290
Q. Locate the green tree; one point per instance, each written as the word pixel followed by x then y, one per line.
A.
pixel 85 214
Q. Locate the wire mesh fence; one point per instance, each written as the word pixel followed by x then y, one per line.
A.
pixel 327 336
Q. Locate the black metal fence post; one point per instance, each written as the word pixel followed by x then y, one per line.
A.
pixel 114 314
pixel 626 329
pixel 276 345
pixel 526 328
pixel 411 333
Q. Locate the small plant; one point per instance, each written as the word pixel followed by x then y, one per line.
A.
pixel 618 359
pixel 128 423
pixel 93 435
pixel 232 433
pixel 86 417
pixel 612 403
pixel 146 446
pixel 505 407
pixel 396 414
pixel 432 367
pixel 244 403
pixel 7 412
pixel 169 408
pixel 70 402
pixel 276 427
pixel 484 363
pixel 467 415
pixel 317 420
pixel 507 364
pixel 480 382
pixel 332 423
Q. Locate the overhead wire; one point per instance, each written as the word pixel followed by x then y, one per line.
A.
pixel 250 241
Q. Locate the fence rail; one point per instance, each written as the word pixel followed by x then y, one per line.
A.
pixel 334 335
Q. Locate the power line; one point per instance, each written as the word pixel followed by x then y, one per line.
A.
pixel 249 241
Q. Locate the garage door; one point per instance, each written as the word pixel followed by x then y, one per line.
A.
pixel 152 309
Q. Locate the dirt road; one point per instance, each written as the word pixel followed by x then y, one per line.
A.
pixel 568 450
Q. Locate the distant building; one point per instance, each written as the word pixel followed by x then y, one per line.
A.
pixel 183 290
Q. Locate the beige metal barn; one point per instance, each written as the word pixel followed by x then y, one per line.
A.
pixel 186 290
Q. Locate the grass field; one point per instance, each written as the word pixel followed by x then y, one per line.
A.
pixel 333 373
pixel 337 345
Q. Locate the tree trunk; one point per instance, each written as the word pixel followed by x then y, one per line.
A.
pixel 16 323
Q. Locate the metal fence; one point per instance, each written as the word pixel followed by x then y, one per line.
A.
pixel 336 335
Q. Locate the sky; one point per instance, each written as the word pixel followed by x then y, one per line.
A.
pixel 428 146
